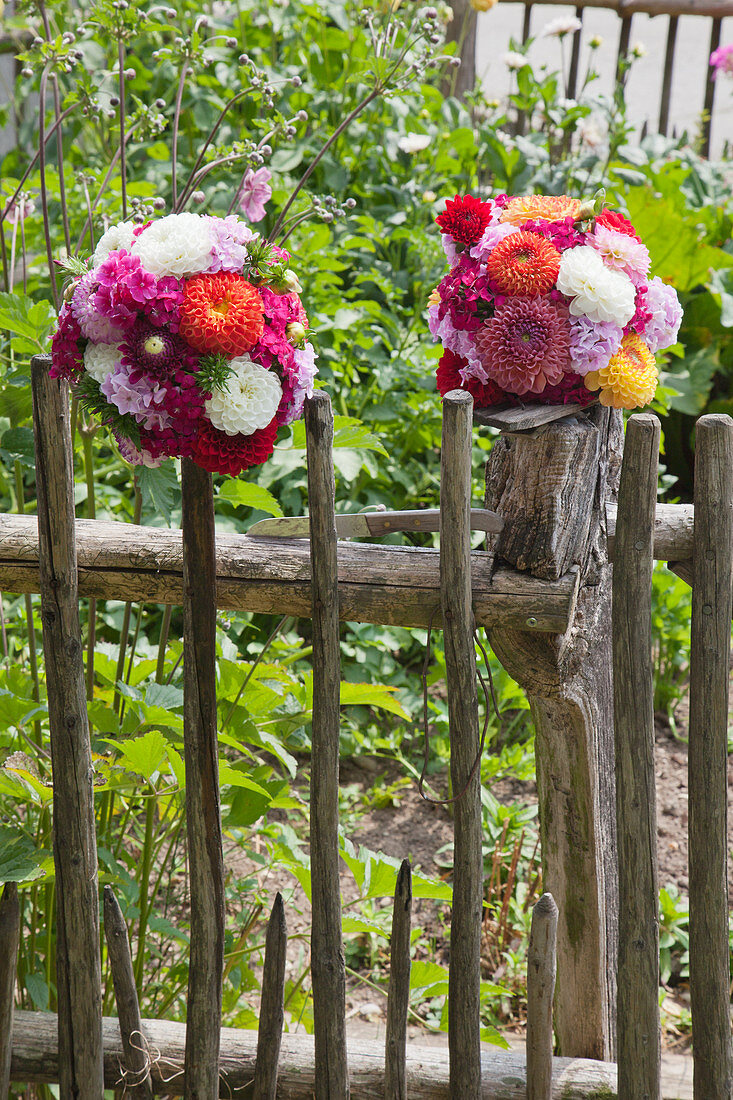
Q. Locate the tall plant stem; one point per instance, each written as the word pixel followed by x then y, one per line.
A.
pixel 376 91
pixel 44 188
pixel 59 136
pixel 32 652
pixel 190 183
pixel 144 888
pixel 87 435
pixel 123 151
pixel 163 643
pixel 120 671
pixel 174 144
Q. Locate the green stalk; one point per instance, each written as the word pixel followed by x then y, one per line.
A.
pixel 32 652
pixel 144 888
pixel 162 644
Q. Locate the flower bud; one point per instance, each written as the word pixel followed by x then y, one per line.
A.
pixel 295 332
pixel 198 197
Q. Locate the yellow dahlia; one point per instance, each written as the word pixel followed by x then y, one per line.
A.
pixel 551 208
pixel 630 379
pixel 523 264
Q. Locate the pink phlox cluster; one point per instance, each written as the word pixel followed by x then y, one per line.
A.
pixel 67 358
pixel 592 343
pixel 643 315
pixel 231 237
pixel 666 315
pixel 96 326
pixel 274 350
pixel 459 341
pixel 133 393
pixel 464 292
pixel 563 234
pixel 136 456
pixel 123 275
pixel 164 310
pixel 722 61
pixel 305 361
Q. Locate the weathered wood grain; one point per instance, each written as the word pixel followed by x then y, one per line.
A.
pixel 707 760
pixel 381 584
pixel 541 971
pixel 327 954
pixel 398 999
pixel 557 488
pixel 674 531
pixel 78 964
pixel 9 939
pixel 639 1052
pixel 272 1012
pixel 203 817
pixel 134 1067
pixel 503 1073
pixel 524 418
pixel 464 975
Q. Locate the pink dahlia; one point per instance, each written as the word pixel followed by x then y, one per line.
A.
pixel 526 345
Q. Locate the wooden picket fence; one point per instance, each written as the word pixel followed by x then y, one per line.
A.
pixel 552 622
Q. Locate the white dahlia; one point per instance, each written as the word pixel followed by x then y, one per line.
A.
pixel 101 360
pixel 117 236
pixel 597 291
pixel 178 245
pixel 250 400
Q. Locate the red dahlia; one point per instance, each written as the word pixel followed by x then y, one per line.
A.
pixel 613 220
pixel 524 264
pixel 465 219
pixel 221 313
pixel 484 394
pixel 230 454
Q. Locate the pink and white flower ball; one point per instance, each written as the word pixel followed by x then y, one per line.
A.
pixel 187 337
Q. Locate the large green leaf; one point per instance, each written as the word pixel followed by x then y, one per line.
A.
pixel 20 860
pixel 245 494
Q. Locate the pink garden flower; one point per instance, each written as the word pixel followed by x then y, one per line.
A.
pixel 722 61
pixel 255 193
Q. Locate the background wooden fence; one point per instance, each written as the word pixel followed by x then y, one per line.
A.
pixel 82 1050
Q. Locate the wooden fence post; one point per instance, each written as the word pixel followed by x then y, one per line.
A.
pixel 708 755
pixel 327 954
pixel 78 963
pixel 398 999
pixel 464 993
pixel 551 485
pixel 203 819
pixel 136 1068
pixel 272 1010
pixel 541 971
pixel 639 1050
pixel 9 939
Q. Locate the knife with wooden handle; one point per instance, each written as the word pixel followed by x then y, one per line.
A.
pixel 373 524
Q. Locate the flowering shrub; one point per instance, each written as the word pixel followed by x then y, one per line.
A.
pixel 187 337
pixel 548 301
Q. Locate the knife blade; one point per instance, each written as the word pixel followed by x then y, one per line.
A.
pixel 373 524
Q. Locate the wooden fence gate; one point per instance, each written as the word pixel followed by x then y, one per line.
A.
pixel 544 592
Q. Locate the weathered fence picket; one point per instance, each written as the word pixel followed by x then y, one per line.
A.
pixel 707 760
pixel 203 818
pixel 327 956
pixel 639 1054
pixel 272 1011
pixel 78 961
pixel 464 972
pixel 541 971
pixel 398 1000
pixel 135 1068
pixel 9 938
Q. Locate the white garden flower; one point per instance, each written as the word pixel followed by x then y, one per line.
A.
pixel 597 291
pixel 558 28
pixel 413 143
pixel 178 245
pixel 101 360
pixel 514 60
pixel 250 400
pixel 117 236
pixel 591 133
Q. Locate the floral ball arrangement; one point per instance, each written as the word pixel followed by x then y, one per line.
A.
pixel 548 301
pixel 187 337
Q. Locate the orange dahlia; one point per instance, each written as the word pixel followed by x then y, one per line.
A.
pixel 524 264
pixel 552 208
pixel 221 313
pixel 630 379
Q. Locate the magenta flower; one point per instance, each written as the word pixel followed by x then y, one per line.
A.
pixel 722 61
pixel 255 193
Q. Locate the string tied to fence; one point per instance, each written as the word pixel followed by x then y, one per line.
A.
pixel 489 698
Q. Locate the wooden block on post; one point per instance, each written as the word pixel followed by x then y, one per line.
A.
pixel 327 955
pixel 551 488
pixel 708 756
pixel 639 1052
pixel 464 976
pixel 203 818
pixel 78 963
